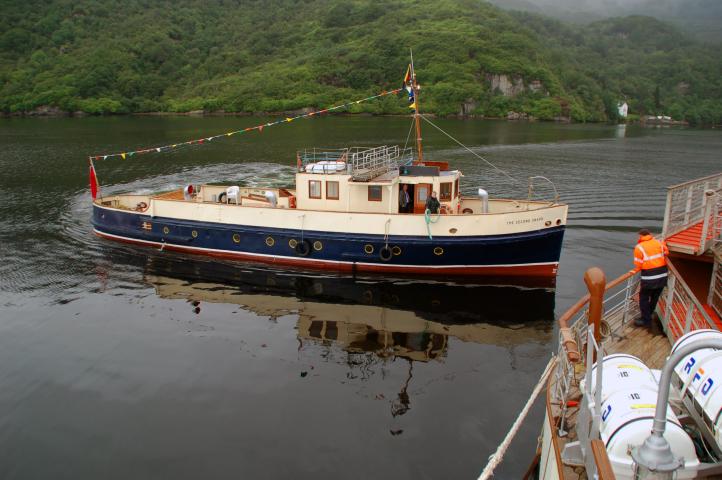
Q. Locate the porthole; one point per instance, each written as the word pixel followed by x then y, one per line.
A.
pixel 270 241
pixel 194 234
pixel 559 221
pixel 166 230
pixel 369 249
pixel 547 223
pixel 236 238
pixel 453 230
pixel 292 243
pixel 438 251
pixel 318 246
pixel 396 250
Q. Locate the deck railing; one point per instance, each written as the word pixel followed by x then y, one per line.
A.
pixel 687 203
pixel 362 163
pixel 372 162
pixel 681 311
pixel 712 226
pixel 620 306
pixel 714 297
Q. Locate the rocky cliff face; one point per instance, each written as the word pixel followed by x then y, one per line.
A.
pixel 512 85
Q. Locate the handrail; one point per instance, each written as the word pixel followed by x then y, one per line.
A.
pixel 577 307
pixel 714 296
pixel 692 298
pixel 696 180
pixel 554 187
pixel 601 460
pixel 689 293
pixel 571 349
pixel 686 203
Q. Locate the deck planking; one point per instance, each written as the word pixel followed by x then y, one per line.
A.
pixel 650 345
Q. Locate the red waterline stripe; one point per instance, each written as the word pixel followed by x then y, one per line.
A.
pixel 520 270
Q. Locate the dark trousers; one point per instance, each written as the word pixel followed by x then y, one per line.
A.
pixel 648 298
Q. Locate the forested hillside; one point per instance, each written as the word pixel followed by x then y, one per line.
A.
pixel 701 19
pixel 102 56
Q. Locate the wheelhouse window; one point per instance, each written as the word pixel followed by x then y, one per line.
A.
pixel 314 189
pixel 445 191
pixel 374 193
pixel 331 190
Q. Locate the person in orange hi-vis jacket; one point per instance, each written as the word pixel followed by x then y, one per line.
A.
pixel 650 259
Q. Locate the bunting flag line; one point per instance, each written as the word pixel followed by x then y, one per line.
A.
pixel 260 128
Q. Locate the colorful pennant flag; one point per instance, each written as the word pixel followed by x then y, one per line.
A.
pixel 125 155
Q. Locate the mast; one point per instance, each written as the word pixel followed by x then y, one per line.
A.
pixel 417 119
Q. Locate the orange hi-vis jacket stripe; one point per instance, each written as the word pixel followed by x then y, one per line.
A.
pixel 649 257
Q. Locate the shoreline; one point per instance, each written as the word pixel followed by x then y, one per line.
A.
pixel 51 112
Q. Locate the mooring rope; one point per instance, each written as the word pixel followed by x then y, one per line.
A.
pixel 497 457
pixel 429 221
pixel 470 150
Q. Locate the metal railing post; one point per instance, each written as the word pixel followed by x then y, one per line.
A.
pixel 669 299
pixel 667 213
pixel 688 205
pixel 713 282
pixel 597 418
pixel 627 296
pixel 705 222
pixel 688 318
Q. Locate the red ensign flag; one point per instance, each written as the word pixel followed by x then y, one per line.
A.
pixel 93 182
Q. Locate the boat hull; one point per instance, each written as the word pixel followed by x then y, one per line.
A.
pixel 534 253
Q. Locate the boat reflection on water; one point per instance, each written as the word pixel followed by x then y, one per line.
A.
pixel 369 320
pixel 389 317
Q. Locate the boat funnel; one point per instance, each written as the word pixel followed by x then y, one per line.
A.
pixel 484 197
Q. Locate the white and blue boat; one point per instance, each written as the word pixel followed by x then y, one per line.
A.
pixel 343 214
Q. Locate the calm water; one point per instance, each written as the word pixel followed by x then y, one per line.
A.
pixel 117 362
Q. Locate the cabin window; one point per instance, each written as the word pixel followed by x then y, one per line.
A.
pixel 314 189
pixel 374 193
pixel 456 188
pixel 445 191
pixel 331 190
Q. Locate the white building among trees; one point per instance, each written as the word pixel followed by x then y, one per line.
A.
pixel 623 109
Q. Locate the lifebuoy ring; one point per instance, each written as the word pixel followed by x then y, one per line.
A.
pixel 221 197
pixel 445 210
pixel 385 253
pixel 467 211
pixel 303 248
pixel 141 207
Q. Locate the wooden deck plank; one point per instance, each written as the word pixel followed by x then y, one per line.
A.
pixel 651 346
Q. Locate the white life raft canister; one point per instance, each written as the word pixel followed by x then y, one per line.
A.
pixel 698 377
pixel 629 397
pixel 621 371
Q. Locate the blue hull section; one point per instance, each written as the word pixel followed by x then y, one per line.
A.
pixel 529 253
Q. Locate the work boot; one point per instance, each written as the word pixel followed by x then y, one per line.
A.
pixel 640 323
